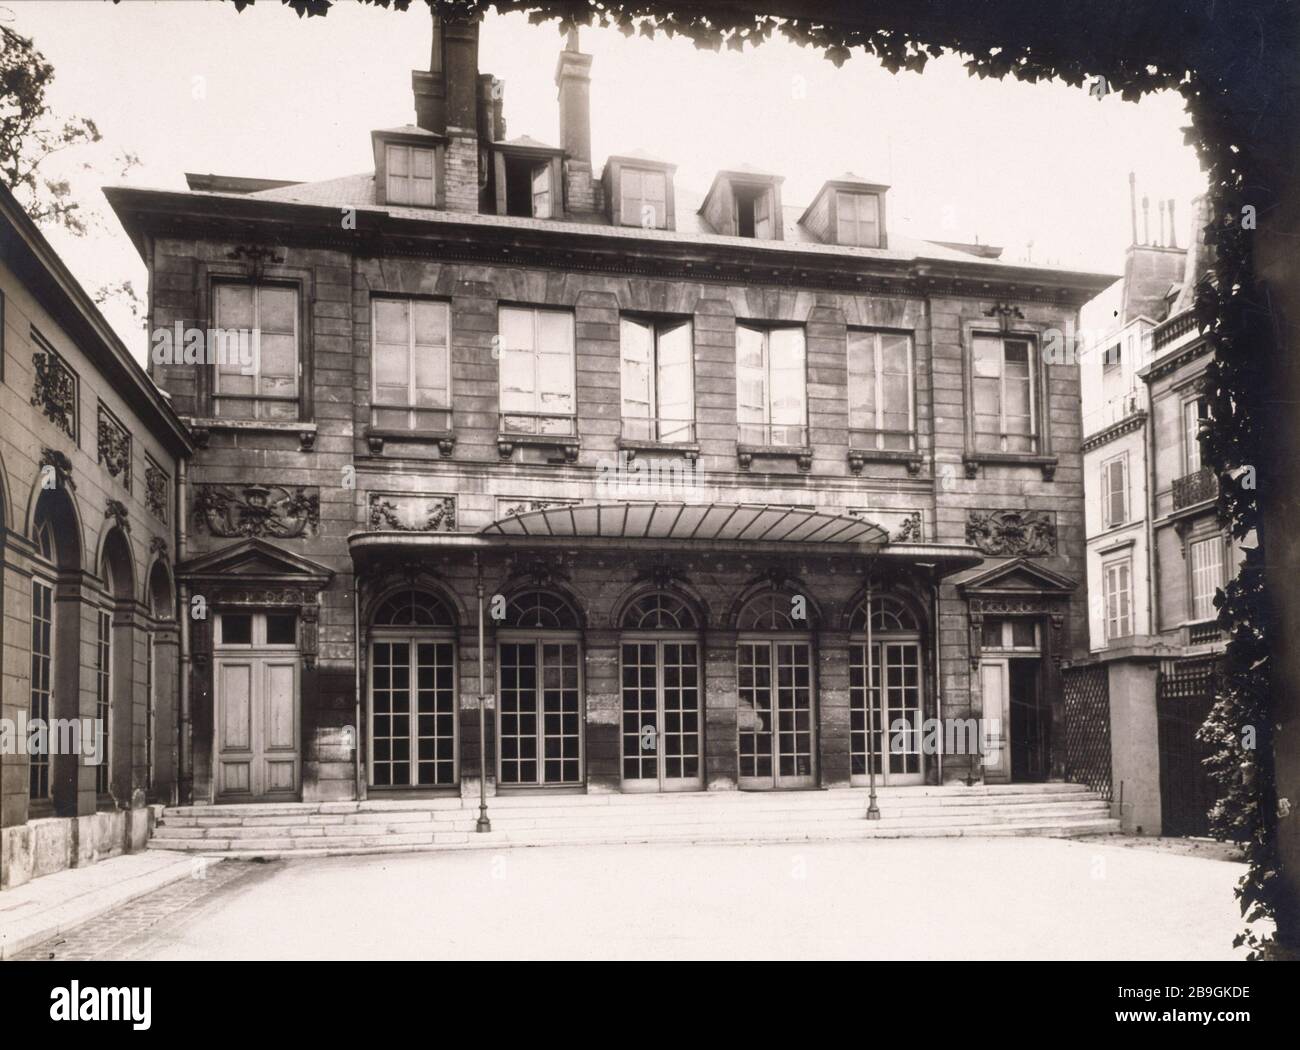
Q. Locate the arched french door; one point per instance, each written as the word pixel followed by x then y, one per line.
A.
pixel 660 667
pixel 893 747
pixel 413 738
pixel 539 691
pixel 775 690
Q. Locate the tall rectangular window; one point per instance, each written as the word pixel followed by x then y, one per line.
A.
pixel 1112 373
pixel 537 371
pixel 41 667
pixel 103 697
pixel 771 386
pixel 643 198
pixel 857 219
pixel 1206 559
pixel 256 371
pixel 657 379
pixel 882 392
pixel 1114 490
pixel 410 175
pixel 1003 376
pixel 411 364
pixel 1194 411
pixel 1118 593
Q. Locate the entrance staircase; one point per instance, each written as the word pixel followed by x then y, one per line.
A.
pixel 319 829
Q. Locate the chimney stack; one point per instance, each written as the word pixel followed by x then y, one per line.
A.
pixel 1173 234
pixel 460 66
pixel 1160 205
pixel 1146 219
pixel 573 83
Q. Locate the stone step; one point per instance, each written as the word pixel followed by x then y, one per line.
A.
pixel 566 806
pixel 409 843
pixel 368 823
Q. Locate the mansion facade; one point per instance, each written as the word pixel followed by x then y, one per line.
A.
pixel 663 492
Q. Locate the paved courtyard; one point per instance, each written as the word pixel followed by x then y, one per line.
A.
pixel 904 899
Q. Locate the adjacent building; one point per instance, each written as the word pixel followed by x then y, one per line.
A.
pixel 90 454
pixel 718 475
pixel 1157 552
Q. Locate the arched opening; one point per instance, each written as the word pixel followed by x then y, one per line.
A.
pixel 413 731
pixel 661 716
pixel 891 747
pixel 539 686
pixel 113 665
pixel 774 690
pixel 54 632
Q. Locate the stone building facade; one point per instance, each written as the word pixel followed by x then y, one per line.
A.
pixel 90 453
pixel 704 464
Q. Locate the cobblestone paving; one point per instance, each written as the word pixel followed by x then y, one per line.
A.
pixel 124 932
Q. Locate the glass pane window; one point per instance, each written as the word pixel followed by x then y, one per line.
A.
pixel 643 198
pixel 1114 481
pixel 410 175
pixel 537 371
pixel 858 219
pixel 542 191
pixel 658 380
pixel 42 662
pixel 1002 385
pixel 1118 587
pixel 411 364
pixel 881 390
pixel 103 697
pixel 255 358
pixel 1206 558
pixel 771 386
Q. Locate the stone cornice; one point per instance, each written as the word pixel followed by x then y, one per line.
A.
pixel 599 249
pixel 1133 421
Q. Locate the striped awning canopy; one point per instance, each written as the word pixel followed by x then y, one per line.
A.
pixel 704 523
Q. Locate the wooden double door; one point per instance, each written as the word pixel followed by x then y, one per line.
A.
pixel 258 727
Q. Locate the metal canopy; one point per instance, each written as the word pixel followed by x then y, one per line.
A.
pixel 699 522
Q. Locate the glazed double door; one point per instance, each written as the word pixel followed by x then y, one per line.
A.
pixel 661 727
pixel 774 684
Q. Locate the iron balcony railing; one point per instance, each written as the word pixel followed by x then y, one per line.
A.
pixel 1197 487
pixel 537 424
pixel 663 431
pixel 773 435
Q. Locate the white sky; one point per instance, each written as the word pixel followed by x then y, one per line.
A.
pixel 283 97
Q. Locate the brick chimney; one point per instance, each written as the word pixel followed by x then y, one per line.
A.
pixel 460 64
pixel 446 103
pixel 573 81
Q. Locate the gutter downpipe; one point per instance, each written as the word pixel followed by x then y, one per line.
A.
pixel 873 810
pixel 184 755
pixel 934 656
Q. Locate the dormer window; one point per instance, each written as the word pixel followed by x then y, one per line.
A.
pixel 639 189
pixel 848 211
pixel 408 167
pixel 526 179
pixel 410 175
pixel 857 219
pixel 744 203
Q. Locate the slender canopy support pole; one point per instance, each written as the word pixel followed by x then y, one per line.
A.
pixel 483 824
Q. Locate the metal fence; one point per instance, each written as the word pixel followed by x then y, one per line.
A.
pixel 1087 727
